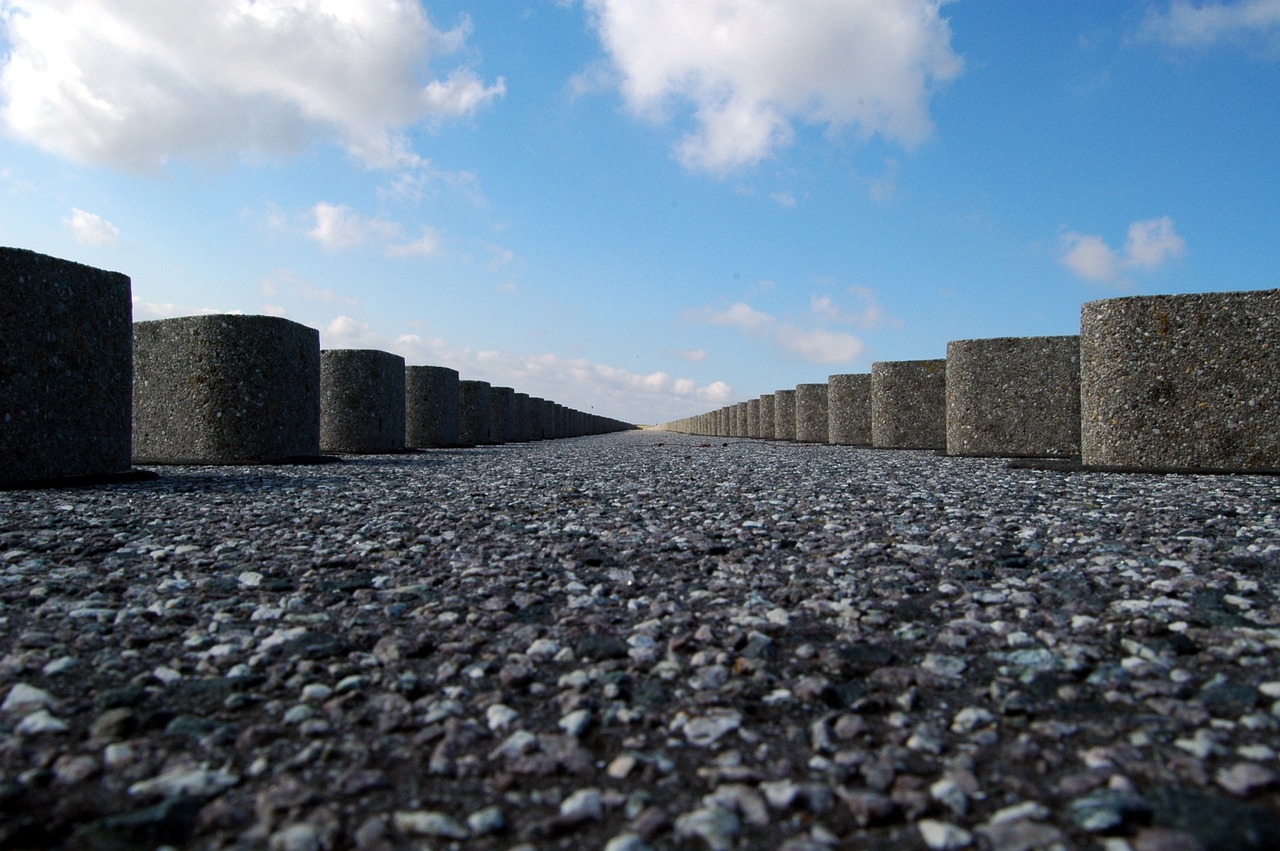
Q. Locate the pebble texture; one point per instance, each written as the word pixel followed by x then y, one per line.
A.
pixel 362 401
pixel 642 640
pixel 475 411
pixel 811 413
pixel 225 389
pixel 909 404
pixel 768 428
pixel 431 406
pixel 65 368
pixel 784 415
pixel 1182 382
pixel 1014 396
pixel 849 410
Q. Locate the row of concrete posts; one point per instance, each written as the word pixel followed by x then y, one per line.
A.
pixel 84 391
pixel 1170 383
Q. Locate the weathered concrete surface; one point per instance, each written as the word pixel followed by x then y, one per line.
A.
pixel 431 406
pixel 66 366
pixel 362 401
pixel 1182 381
pixel 475 410
pixel 811 413
pixel 849 409
pixel 768 428
pixel 225 389
pixel 1014 397
pixel 784 415
pixel 909 404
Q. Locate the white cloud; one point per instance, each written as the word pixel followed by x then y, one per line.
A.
pixel 143 309
pixel 134 83
pixel 1151 243
pixel 284 279
pixel 1205 24
pixel 426 245
pixel 343 332
pixel 91 229
pixel 806 338
pixel 692 355
pixel 751 69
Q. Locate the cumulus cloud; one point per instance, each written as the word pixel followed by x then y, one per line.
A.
pixel 1187 24
pixel 1151 243
pixel 91 229
pixel 749 71
pixel 133 84
pixel 338 227
pixel 806 336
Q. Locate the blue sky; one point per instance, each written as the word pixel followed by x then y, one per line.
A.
pixel 646 208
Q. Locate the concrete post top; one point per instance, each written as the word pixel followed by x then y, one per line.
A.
pixel 232 322
pixel 924 366
pixel 335 354
pixel 426 370
pixel 1012 342
pixel 1184 301
pixel 848 377
pixel 811 385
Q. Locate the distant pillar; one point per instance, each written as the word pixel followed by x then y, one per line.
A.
pixel 225 389
pixel 909 404
pixel 767 427
pixel 362 403
pixel 431 406
pixel 784 415
pixel 753 418
pixel 537 406
pixel 811 413
pixel 501 400
pixel 1182 382
pixel 522 417
pixel 1014 397
pixel 548 420
pixel 849 409
pixel 475 409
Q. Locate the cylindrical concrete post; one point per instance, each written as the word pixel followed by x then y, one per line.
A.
pixel 909 404
pixel 501 400
pixel 537 406
pixel 431 406
pixel 740 419
pixel 225 389
pixel 1014 397
pixel 475 410
pixel 811 413
pixel 767 427
pixel 784 415
pixel 66 366
pixel 522 417
pixel 549 420
pixel 1182 382
pixel 362 404
pixel 849 409
pixel 753 418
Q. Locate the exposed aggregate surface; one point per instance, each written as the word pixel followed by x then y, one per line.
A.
pixel 642 640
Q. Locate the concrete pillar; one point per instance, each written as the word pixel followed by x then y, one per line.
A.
pixel 362 404
pixel 548 420
pixel 784 415
pixel 537 406
pixel 501 401
pixel 909 404
pixel 66 366
pixel 475 411
pixel 1182 382
pixel 767 427
pixel 225 389
pixel 431 406
pixel 753 418
pixel 740 419
pixel 1014 397
pixel 811 413
pixel 849 409
pixel 521 401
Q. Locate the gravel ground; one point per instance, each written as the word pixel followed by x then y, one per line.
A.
pixel 642 640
